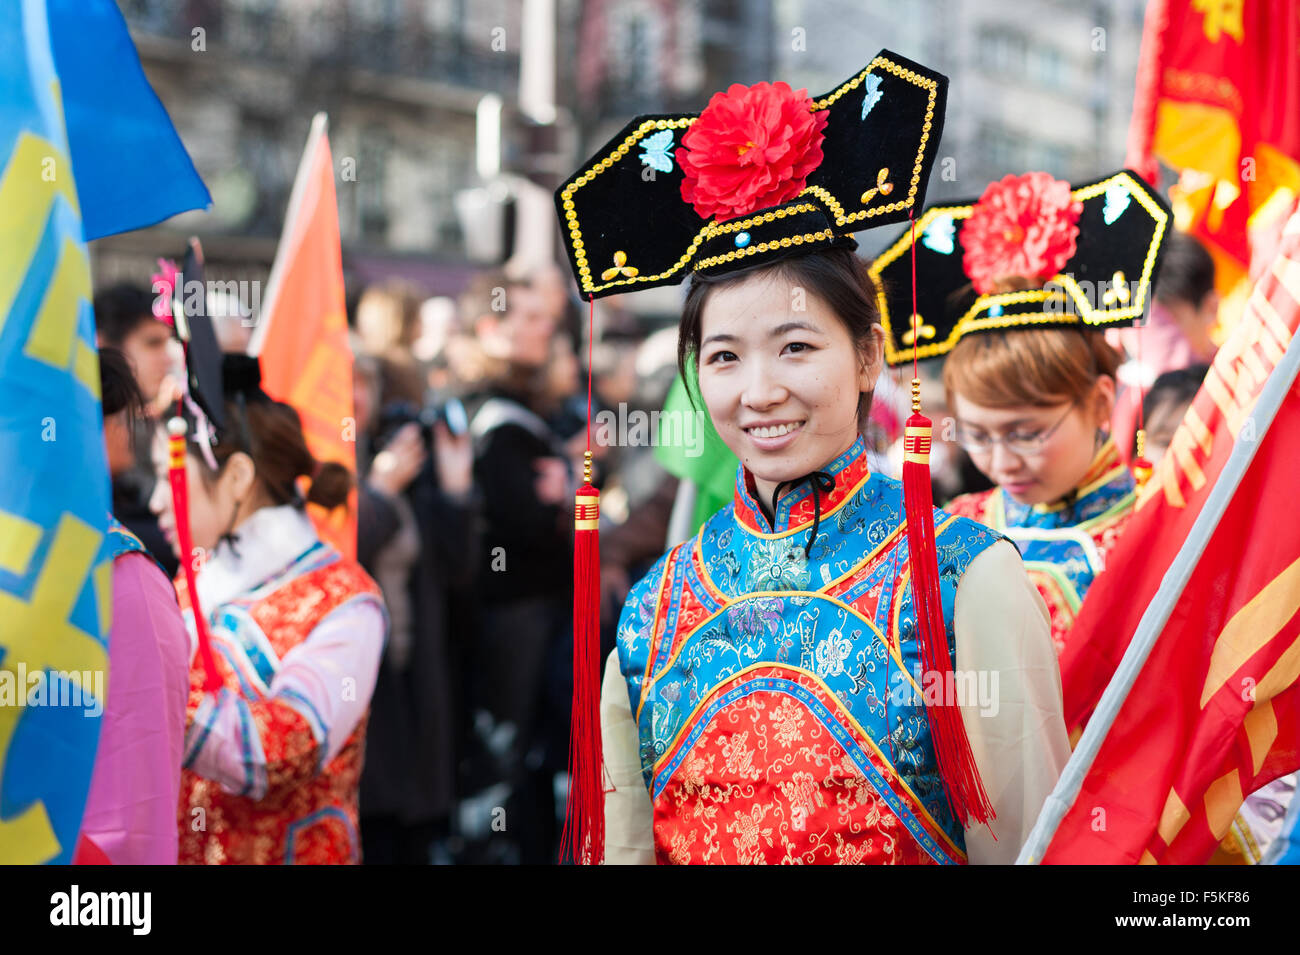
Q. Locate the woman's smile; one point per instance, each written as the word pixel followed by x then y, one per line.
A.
pixel 770 436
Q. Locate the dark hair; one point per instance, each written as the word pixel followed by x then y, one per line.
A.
pixel 835 275
pixel 120 310
pixel 1174 387
pixel 1186 271
pixel 279 451
pixel 117 385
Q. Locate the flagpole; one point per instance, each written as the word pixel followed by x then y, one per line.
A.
pixel 1153 621
pixel 283 252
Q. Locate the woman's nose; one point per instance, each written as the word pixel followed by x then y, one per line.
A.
pixel 763 389
pixel 1003 458
pixel 161 496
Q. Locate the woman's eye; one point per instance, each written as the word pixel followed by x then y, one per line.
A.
pixel 721 356
pixel 798 347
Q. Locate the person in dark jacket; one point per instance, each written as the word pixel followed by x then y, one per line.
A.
pixel 416 514
pixel 519 665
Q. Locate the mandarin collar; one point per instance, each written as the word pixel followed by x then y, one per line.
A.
pixel 269 540
pixel 794 509
pixel 1106 479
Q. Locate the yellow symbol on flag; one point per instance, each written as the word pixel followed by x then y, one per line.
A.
pixel 1221 16
pixel 26 197
pixel 39 635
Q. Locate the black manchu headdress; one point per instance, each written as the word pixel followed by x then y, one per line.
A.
pixel 763 172
pixel 1032 251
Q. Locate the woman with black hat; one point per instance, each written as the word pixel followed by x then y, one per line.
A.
pixel 277 711
pixel 1016 291
pixel 791 684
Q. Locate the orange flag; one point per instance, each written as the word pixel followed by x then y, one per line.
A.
pixel 1209 567
pixel 302 335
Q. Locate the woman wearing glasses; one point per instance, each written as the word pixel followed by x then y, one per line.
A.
pixel 1032 409
pixel 1014 290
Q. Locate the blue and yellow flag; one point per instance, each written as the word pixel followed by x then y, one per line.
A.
pixel 55 572
pixel 132 170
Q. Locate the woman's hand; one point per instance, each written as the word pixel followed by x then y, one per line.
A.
pixel 397 465
pixel 454 458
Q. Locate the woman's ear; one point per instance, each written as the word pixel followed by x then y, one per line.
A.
pixel 871 359
pixel 238 476
pixel 1104 399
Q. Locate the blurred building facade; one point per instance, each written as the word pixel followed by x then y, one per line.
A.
pixel 400 80
pixel 1035 84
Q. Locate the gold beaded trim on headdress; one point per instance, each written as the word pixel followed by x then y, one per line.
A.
pixel 834 205
pixel 976 318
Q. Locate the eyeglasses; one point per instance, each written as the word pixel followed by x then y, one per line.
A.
pixel 1018 443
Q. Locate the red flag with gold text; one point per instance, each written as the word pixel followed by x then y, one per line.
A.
pixel 1218 98
pixel 1215 711
pixel 303 331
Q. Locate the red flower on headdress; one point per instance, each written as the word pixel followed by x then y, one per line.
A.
pixel 1023 227
pixel 163 286
pixel 753 147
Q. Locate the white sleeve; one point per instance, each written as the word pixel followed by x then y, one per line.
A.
pixel 325 682
pixel 1017 729
pixel 629 815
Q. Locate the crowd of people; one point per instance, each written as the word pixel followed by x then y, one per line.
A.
pixel 469 428
pixel 470 424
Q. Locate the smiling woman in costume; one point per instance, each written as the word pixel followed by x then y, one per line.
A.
pixel 1015 291
pixel 765 702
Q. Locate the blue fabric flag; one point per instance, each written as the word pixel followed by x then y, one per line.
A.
pixel 55 577
pixel 132 170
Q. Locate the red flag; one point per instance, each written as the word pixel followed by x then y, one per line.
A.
pixel 1218 98
pixel 302 336
pixel 1214 712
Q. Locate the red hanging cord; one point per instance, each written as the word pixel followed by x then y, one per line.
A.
pixel 176 429
pixel 957 769
pixel 583 838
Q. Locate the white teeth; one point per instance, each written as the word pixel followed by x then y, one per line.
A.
pixel 773 432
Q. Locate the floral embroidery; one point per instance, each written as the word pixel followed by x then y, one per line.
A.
pixel 831 653
pixel 756 616
pixel 749 830
pixel 788 718
pixel 740 758
pixel 777 565
pixel 872 95
pixel 804 796
pixel 939 235
pixel 655 151
pixel 682 841
pixel 1117 200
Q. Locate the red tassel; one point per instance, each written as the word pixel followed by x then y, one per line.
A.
pixel 1142 466
pixel 181 506
pixel 957 770
pixel 584 822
